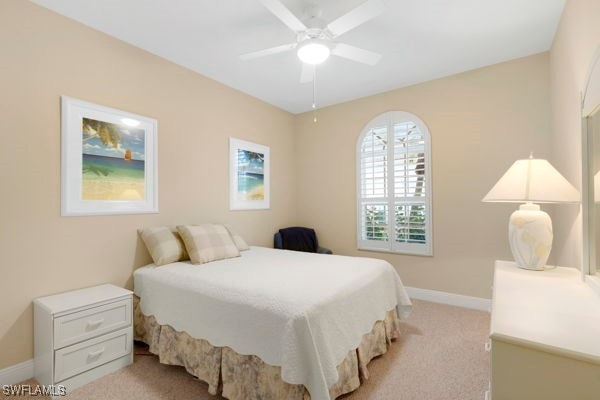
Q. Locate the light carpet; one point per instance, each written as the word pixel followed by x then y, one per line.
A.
pixel 440 356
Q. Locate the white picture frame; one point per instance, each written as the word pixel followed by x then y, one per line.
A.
pixel 109 162
pixel 249 175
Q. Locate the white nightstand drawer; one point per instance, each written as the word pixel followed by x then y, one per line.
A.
pixel 81 357
pixel 86 324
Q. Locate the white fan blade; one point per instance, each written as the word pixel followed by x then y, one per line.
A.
pixel 268 52
pixel 284 14
pixel 356 54
pixel 356 17
pixel 308 73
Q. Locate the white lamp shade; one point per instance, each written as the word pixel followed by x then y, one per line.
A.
pixel 533 180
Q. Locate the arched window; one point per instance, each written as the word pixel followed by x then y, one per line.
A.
pixel 393 158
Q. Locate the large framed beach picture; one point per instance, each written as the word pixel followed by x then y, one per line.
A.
pixel 248 175
pixel 108 160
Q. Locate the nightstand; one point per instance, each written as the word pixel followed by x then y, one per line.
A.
pixel 82 335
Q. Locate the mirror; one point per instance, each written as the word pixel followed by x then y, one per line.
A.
pixel 591 172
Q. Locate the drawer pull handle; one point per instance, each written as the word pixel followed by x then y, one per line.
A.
pixel 95 324
pixel 95 354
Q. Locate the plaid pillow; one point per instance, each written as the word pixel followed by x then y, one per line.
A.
pixel 207 242
pixel 164 244
pixel 240 243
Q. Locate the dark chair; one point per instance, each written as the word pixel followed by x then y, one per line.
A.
pixel 299 239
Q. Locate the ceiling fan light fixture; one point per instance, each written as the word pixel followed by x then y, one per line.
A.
pixel 313 52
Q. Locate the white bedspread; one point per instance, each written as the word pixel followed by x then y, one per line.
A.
pixel 300 311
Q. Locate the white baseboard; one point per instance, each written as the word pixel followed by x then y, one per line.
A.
pixel 459 300
pixel 16 373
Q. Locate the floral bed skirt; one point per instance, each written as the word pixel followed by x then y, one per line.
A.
pixel 247 377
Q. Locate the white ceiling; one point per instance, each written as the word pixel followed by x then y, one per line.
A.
pixel 419 39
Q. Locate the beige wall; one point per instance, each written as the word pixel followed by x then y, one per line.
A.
pixel 576 41
pixel 44 56
pixel 480 122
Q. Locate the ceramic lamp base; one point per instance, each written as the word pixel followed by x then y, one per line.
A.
pixel 530 236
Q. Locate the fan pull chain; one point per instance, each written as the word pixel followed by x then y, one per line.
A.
pixel 314 102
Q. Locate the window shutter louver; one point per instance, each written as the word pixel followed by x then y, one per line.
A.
pixel 374 185
pixel 394 185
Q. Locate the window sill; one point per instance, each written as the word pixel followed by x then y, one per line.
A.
pixel 401 253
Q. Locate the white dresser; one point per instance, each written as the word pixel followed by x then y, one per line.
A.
pixel 82 335
pixel 545 333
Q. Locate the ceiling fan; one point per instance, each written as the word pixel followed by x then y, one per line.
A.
pixel 315 40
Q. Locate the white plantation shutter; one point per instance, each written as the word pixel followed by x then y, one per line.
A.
pixel 394 185
pixel 374 187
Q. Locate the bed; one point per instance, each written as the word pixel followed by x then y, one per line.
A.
pixel 301 323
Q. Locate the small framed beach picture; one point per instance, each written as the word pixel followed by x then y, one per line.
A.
pixel 248 175
pixel 108 160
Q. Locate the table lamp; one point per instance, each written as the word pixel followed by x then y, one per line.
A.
pixel 531 181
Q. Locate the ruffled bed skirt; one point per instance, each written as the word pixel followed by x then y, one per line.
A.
pixel 247 377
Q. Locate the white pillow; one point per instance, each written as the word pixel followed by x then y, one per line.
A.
pixel 240 243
